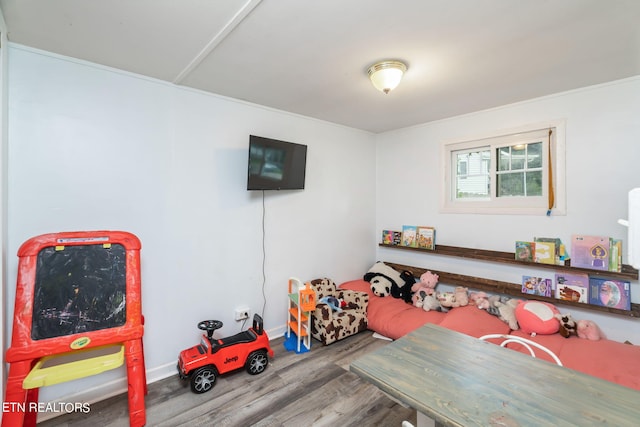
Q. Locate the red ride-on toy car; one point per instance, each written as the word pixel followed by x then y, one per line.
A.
pixel 201 364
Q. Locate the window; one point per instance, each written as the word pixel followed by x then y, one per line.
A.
pixel 506 174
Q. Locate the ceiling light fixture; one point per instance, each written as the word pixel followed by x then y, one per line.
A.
pixel 386 75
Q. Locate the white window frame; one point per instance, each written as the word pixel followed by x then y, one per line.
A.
pixel 512 205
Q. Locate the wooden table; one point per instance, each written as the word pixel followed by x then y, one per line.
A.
pixel 458 380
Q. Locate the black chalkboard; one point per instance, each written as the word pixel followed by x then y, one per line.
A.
pixel 79 289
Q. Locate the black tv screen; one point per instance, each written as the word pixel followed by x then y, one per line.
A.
pixel 276 165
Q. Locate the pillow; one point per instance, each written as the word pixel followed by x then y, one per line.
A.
pixel 537 317
pixel 472 321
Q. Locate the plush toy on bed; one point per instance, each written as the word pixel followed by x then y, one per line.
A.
pixel 426 284
pixel 479 299
pixel 447 299
pixel 386 281
pixel 589 330
pixel 462 295
pixel 567 325
pixel 493 304
pixel 507 312
pixel 537 317
pixel 457 298
pixel 427 301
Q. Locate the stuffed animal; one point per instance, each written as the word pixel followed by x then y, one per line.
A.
pixel 427 283
pixel 447 299
pixel 492 307
pixel 480 299
pixel 537 317
pixel 333 302
pixel 432 303
pixel 567 324
pixel 589 330
pixel 462 296
pixel 403 291
pixel 427 301
pixel 387 281
pixel 507 311
pixel 429 279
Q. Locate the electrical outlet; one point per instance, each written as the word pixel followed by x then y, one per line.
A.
pixel 242 313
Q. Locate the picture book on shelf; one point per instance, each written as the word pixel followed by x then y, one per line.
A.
pixel 537 286
pixel 409 235
pixel 390 237
pixel 545 252
pixel 426 237
pixel 572 287
pixel 590 252
pixel 560 251
pixel 615 255
pixel 610 293
pixel 525 251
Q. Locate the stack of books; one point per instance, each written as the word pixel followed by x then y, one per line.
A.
pixel 544 250
pixel 411 236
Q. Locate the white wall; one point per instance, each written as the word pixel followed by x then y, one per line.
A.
pixel 3 187
pixel 94 148
pixel 602 161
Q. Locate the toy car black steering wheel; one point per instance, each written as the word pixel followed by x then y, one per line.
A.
pixel 210 326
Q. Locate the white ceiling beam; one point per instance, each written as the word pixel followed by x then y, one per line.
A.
pixel 242 13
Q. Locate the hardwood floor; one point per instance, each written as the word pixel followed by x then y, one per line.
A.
pixel 298 390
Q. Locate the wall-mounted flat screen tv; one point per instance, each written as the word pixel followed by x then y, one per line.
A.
pixel 276 165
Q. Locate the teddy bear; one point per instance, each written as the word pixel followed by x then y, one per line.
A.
pixel 427 283
pixel 567 324
pixel 507 311
pixel 589 330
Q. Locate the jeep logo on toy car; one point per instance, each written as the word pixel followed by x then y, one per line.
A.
pixel 231 359
pixel 202 363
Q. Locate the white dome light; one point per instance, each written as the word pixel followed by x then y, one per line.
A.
pixel 386 75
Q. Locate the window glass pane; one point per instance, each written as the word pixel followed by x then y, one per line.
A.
pixel 503 158
pixel 518 156
pixel 534 183
pixel 461 162
pixel 534 155
pixel 472 187
pixel 472 177
pixel 511 184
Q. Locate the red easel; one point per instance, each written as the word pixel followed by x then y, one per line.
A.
pixel 39 354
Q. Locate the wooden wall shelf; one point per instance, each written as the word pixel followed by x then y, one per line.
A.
pixel 513 289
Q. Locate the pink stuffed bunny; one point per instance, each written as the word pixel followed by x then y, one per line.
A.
pixel 589 330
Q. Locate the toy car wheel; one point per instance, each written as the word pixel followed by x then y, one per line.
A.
pixel 203 379
pixel 257 362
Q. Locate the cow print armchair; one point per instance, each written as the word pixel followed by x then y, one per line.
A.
pixel 328 324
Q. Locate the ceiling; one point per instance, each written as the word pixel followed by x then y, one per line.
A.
pixel 311 57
